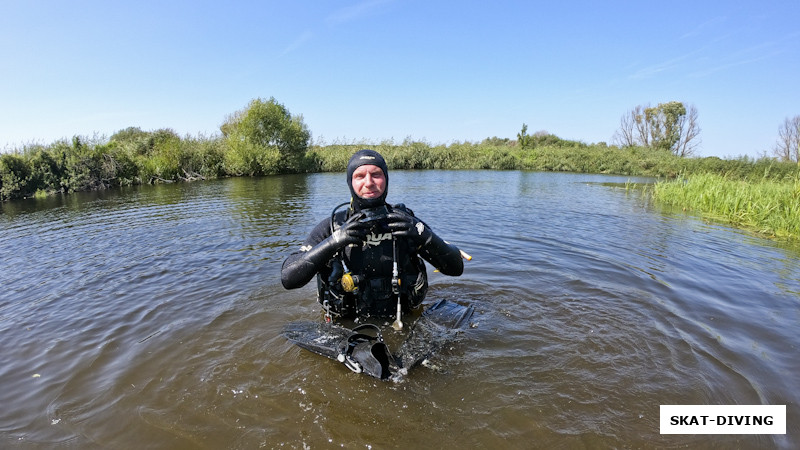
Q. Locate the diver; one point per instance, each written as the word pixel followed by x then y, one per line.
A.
pixel 368 257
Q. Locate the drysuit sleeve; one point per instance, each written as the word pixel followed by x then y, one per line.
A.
pixel 320 246
pixel 443 255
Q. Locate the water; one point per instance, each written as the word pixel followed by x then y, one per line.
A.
pixel 150 318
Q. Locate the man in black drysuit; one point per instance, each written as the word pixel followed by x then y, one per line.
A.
pixel 367 255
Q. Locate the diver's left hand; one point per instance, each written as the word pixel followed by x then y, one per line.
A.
pixel 404 224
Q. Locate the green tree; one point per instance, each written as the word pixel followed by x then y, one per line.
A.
pixel 664 122
pixel 15 173
pixel 144 142
pixel 129 134
pixel 47 168
pixel 265 138
pixel 669 126
pixel 523 138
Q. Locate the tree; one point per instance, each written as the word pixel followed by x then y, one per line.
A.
pixel 626 134
pixel 523 138
pixel 642 119
pixel 788 146
pixel 635 127
pixel 688 133
pixel 665 130
pixel 15 173
pixel 144 142
pixel 265 136
pixel 669 126
pixel 129 134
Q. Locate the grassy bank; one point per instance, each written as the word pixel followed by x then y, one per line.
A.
pixel 135 157
pixel 766 205
pixel 761 194
pixel 556 155
pixel 94 163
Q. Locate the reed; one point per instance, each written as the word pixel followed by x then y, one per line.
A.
pixel 758 194
pixel 767 206
pixel 556 155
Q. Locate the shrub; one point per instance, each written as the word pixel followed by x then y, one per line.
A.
pixel 265 138
pixel 15 173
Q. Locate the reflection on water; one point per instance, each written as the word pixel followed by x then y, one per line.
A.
pixel 151 317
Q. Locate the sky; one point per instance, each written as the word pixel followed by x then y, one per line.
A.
pixel 377 70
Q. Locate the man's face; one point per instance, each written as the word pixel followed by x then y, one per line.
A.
pixel 369 181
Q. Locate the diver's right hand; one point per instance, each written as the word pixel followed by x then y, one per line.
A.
pixel 353 231
pixel 300 267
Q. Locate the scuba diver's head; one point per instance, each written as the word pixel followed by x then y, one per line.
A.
pixel 368 179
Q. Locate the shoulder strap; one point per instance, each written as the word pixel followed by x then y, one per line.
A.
pixel 402 207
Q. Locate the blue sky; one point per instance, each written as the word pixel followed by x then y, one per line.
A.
pixel 440 71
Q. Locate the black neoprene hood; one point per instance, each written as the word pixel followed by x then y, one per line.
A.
pixel 362 158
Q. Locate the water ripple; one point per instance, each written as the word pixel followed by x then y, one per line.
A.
pixel 153 315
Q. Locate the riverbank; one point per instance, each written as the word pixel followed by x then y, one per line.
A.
pixel 555 155
pixel 767 206
pixel 739 191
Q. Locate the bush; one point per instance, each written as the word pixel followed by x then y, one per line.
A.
pixel 204 156
pixel 15 173
pixel 265 138
pixel 47 169
pixel 246 158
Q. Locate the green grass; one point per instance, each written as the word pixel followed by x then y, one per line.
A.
pixel 757 194
pixel 768 206
pixel 563 156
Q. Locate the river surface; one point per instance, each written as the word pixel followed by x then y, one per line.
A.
pixel 151 317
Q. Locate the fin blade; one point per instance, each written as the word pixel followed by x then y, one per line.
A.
pixel 437 326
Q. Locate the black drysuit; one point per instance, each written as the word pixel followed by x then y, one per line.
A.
pixel 371 263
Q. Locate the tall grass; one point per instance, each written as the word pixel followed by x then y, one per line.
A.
pixel 759 194
pixel 565 157
pixel 134 157
pixel 768 206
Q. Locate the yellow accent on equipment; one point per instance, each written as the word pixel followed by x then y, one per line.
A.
pixel 347 282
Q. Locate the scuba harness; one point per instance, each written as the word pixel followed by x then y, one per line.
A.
pixel 342 285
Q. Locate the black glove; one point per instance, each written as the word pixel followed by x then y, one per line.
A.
pixel 403 224
pixel 300 267
pixel 353 231
pixel 443 255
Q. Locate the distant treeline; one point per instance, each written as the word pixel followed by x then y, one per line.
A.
pixel 554 154
pixel 265 139
pixel 132 157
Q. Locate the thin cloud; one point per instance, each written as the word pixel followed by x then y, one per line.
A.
pixel 341 16
pixel 720 68
pixel 743 57
pixel 700 29
pixel 297 43
pixel 655 69
pixel 355 12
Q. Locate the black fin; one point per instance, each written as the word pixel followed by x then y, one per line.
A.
pixel 368 354
pixel 360 352
pixel 438 325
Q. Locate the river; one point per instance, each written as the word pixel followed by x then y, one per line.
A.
pixel 151 317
